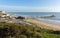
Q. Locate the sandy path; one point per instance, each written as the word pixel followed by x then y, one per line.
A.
pixel 44 24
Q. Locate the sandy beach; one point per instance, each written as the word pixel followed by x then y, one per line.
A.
pixel 44 24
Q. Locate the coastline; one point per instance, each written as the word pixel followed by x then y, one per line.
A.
pixel 44 25
pixel 8 18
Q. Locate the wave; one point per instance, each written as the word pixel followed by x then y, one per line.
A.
pixel 47 16
pixel 49 21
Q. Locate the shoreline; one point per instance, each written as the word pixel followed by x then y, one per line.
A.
pixel 43 24
pixel 28 20
pixel 55 22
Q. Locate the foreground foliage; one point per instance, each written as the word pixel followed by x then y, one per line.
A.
pixel 9 30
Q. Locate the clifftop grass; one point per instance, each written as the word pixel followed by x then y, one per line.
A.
pixel 9 30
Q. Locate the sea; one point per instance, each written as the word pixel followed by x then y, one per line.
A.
pixel 54 20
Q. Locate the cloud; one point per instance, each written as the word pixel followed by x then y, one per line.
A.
pixel 29 9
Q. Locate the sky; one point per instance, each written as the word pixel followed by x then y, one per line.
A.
pixel 30 5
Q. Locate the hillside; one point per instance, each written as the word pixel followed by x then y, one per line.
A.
pixel 10 30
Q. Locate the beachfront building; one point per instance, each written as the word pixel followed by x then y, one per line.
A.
pixel 3 14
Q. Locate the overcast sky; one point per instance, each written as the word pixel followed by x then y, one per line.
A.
pixel 30 5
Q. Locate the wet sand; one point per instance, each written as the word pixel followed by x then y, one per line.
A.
pixel 44 25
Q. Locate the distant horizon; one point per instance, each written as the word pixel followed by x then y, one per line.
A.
pixel 17 11
pixel 38 12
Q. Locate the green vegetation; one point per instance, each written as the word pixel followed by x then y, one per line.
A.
pixel 51 34
pixel 9 30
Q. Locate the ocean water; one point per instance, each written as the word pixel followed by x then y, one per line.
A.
pixel 55 19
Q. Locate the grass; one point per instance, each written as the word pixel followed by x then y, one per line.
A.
pixel 51 34
pixel 9 30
